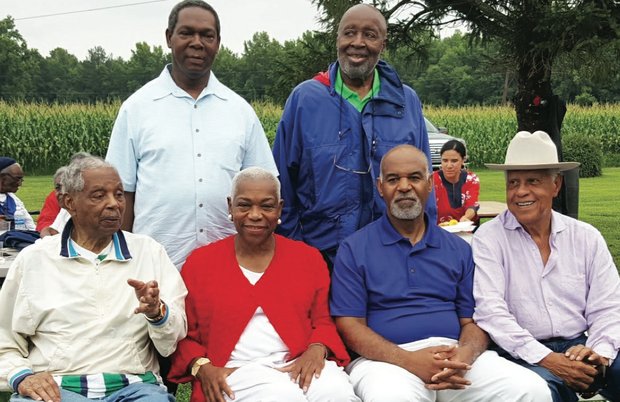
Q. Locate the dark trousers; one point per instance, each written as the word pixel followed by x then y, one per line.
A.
pixel 560 391
pixel 164 369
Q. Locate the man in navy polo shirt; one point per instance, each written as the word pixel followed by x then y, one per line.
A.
pixel 402 299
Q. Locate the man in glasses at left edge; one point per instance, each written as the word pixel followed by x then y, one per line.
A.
pixel 11 179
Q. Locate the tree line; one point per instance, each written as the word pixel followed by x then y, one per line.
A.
pixel 454 71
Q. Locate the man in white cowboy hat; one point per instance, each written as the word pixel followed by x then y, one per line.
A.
pixel 546 287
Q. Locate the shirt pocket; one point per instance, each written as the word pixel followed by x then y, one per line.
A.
pixel 324 181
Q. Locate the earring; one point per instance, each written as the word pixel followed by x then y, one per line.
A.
pixel 230 217
pixel 279 221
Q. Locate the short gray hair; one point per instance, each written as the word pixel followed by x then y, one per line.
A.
pixel 59 172
pixel 73 179
pixel 79 155
pixel 254 173
pixel 554 173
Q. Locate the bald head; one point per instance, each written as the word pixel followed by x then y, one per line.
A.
pixel 365 11
pixel 406 151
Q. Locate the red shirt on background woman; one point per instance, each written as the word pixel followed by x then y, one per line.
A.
pixel 456 188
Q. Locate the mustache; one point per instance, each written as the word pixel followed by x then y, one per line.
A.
pixel 408 197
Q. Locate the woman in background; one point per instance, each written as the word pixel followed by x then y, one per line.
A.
pixel 456 188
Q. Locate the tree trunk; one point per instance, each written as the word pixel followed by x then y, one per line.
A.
pixel 538 108
pixel 533 97
pixel 506 85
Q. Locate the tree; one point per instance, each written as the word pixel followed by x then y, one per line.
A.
pixel 103 77
pixel 259 55
pixel 301 60
pixel 268 70
pixel 227 68
pixel 455 71
pixel 58 77
pixel 19 66
pixel 584 77
pixel 144 65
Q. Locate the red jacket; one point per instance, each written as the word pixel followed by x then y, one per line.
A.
pixel 48 212
pixel 293 293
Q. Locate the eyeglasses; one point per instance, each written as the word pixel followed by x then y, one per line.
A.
pixel 351 170
pixel 16 178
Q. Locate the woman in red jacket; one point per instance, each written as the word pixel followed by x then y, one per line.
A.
pixel 259 326
pixel 456 188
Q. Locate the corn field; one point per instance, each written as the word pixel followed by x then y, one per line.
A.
pixel 43 137
pixel 488 130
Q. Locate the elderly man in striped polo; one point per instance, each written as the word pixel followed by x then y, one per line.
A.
pixel 82 313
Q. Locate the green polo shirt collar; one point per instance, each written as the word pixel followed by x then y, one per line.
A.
pixel 351 96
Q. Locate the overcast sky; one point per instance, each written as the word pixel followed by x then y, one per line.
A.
pixel 118 29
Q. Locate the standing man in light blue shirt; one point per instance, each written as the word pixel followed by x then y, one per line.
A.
pixel 179 140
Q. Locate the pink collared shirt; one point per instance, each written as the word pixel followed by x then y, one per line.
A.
pixel 520 301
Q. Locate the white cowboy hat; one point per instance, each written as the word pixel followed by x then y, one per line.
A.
pixel 529 151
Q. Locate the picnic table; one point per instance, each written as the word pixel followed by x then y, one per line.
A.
pixel 9 255
pixel 490 209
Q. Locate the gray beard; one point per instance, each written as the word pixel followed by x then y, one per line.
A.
pixel 410 213
pixel 361 72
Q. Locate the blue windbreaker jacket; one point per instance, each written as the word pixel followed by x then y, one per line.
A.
pixel 328 155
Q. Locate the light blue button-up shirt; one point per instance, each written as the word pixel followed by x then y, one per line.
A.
pixel 179 155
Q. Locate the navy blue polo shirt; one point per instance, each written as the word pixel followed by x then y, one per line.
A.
pixel 406 292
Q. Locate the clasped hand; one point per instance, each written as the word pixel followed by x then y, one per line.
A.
pixel 440 367
pixel 586 354
pixel 576 367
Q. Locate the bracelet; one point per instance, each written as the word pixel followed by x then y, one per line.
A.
pixel 324 347
pixel 198 364
pixel 162 313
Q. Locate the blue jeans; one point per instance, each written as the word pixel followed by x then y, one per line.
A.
pixel 138 392
pixel 560 391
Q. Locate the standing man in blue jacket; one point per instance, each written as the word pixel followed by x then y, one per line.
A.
pixel 334 131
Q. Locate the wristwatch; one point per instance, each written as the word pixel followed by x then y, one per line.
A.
pixel 199 363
